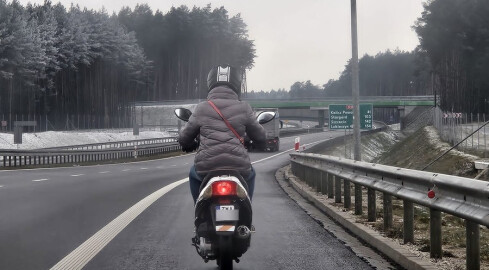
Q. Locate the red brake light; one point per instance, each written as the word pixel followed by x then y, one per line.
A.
pixel 223 188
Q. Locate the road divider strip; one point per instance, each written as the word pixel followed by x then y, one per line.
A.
pixel 79 257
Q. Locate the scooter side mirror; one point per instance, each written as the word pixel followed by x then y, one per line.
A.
pixel 265 117
pixel 183 114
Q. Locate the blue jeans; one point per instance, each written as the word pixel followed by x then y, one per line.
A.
pixel 195 181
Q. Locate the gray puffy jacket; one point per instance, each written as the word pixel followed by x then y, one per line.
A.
pixel 219 148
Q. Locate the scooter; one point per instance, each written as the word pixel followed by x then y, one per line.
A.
pixel 223 212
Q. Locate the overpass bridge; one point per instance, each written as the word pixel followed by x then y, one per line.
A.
pixel 389 109
pixel 376 101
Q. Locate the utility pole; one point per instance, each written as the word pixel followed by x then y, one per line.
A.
pixel 356 106
pixel 355 82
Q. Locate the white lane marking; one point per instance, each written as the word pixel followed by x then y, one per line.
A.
pixel 125 170
pixel 1 186
pixel 283 152
pixel 105 172
pixel 76 175
pixel 144 168
pixel 185 163
pixel 40 180
pixel 79 257
pixel 174 165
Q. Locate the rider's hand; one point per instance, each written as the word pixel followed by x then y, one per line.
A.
pixel 191 148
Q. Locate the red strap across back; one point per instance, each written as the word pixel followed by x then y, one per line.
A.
pixel 241 140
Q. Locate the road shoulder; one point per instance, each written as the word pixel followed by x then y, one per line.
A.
pixel 320 209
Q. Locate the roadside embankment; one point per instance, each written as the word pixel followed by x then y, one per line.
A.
pixel 414 152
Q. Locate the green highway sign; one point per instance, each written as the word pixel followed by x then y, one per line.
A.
pixel 341 116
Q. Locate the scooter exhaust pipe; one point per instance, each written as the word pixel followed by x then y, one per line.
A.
pixel 243 232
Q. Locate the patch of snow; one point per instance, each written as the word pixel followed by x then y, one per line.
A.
pixel 433 136
pixel 65 138
pixel 395 126
pixel 457 132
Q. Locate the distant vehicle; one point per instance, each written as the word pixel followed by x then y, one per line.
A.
pixel 326 124
pixel 271 129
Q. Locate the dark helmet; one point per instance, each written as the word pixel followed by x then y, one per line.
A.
pixel 225 75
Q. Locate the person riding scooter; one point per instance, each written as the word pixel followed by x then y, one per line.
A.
pixel 217 128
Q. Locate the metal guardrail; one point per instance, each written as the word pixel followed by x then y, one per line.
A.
pixel 100 151
pixel 19 158
pixel 117 144
pixel 285 132
pixel 462 197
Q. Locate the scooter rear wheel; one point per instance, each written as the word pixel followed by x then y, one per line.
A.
pixel 225 259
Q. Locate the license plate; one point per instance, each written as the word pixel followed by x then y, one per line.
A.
pixel 224 207
pixel 226 213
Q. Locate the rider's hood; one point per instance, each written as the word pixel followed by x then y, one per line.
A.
pixel 222 92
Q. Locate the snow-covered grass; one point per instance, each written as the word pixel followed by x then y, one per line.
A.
pixel 64 138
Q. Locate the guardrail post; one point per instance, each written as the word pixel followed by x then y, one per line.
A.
pixel 307 176
pixel 372 205
pixel 347 194
pixel 387 211
pixel 435 234
pixel 358 199
pixel 473 245
pixel 337 196
pixel 408 232
pixel 300 169
pixel 330 185
pixel 317 180
pixel 324 183
pixel 311 177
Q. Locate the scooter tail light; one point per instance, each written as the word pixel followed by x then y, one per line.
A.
pixel 223 188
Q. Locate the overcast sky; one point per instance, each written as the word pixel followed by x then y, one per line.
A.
pixel 299 40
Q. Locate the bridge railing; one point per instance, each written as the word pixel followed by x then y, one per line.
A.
pixel 41 157
pixel 362 98
pixel 458 196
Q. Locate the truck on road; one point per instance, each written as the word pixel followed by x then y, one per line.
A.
pixel 271 129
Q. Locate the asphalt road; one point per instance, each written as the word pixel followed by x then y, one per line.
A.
pixel 45 214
